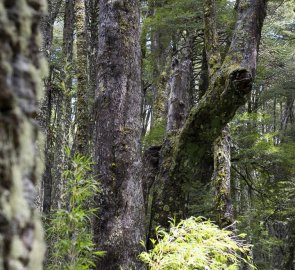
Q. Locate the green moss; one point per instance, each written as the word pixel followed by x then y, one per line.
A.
pixel 166 208
pixel 156 135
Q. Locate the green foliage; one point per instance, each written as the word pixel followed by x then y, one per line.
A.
pixel 173 15
pixel 69 229
pixel 263 166
pixel 196 244
pixel 156 135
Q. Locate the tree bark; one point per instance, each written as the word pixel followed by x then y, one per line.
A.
pixel 47 29
pixel 179 104
pixel 21 67
pixel 118 130
pixel 92 16
pixel 82 115
pixel 226 93
pixel 221 146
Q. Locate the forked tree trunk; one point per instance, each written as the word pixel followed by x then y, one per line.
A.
pixel 226 93
pixel 21 243
pixel 118 130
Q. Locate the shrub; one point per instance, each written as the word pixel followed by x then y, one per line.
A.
pixel 69 229
pixel 196 244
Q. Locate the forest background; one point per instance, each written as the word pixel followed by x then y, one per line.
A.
pixel 151 110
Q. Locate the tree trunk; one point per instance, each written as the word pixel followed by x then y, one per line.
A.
pixel 82 137
pixel 92 16
pixel 222 165
pixel 118 130
pixel 21 243
pixel 63 104
pixel 47 29
pixel 221 180
pixel 225 95
pixel 179 104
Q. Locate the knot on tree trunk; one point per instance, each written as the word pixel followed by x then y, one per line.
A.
pixel 241 80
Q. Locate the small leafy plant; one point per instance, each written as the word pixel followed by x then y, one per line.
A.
pixel 196 244
pixel 70 228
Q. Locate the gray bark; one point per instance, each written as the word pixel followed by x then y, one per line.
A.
pixel 21 70
pixel 118 130
pixel 180 97
pixel 92 15
pixel 221 146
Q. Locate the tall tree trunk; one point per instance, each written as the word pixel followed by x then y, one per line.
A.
pixel 47 29
pixel 221 180
pixel 82 137
pixel 226 93
pixel 21 243
pixel 63 104
pixel 158 85
pixel 118 128
pixel 92 15
pixel 221 146
pixel 179 104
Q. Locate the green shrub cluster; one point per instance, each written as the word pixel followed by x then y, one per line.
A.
pixel 70 227
pixel 197 244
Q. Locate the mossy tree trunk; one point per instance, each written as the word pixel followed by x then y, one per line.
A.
pixel 118 130
pixel 226 93
pixel 82 137
pixel 63 104
pixel 21 64
pixel 221 146
pixel 179 104
pixel 221 180
pixel 159 81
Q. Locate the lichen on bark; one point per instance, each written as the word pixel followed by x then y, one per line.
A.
pixel 118 131
pixel 22 67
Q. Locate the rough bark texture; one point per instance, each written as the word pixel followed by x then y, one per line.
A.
pixel 82 115
pixel 179 104
pixel 211 38
pixel 21 67
pixel 221 180
pixel 180 97
pixel 92 15
pixel 221 146
pixel 225 95
pixel 118 161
